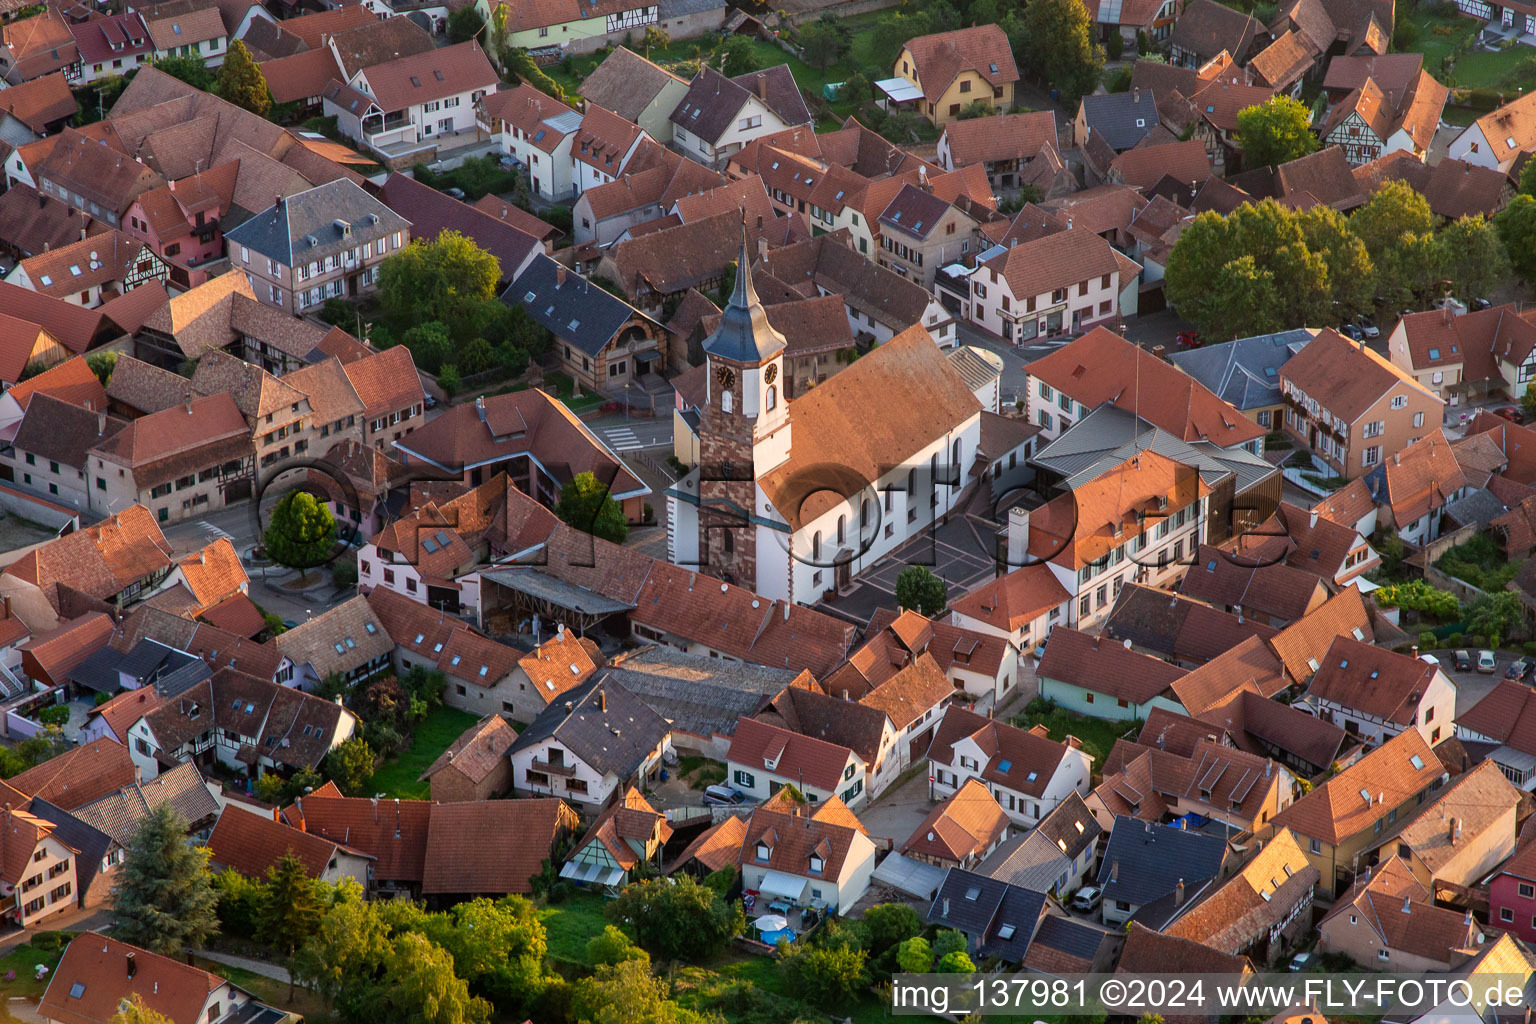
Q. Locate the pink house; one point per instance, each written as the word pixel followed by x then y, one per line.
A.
pixel 180 221
pixel 1512 896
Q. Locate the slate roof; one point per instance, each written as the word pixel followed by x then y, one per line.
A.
pixel 1144 862
pixel 709 107
pixel 607 727
pixel 283 232
pixel 695 693
pixel 1122 119
pixel 1001 918
pixel 1245 372
pixel 570 306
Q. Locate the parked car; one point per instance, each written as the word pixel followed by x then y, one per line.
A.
pixel 456 193
pixel 1486 662
pixel 1300 962
pixel 1463 661
pixel 1088 898
pixel 431 402
pixel 1369 329
pixel 1351 332
pixel 1190 339
pixel 723 796
pixel 1518 669
pixel 1479 304
pixel 1513 413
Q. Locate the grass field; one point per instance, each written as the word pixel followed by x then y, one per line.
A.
pixel 1505 70
pixel 399 777
pixel 18 970
pixel 1098 734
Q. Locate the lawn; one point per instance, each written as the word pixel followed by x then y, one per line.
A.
pixel 18 970
pixel 1098 734
pixel 570 923
pixel 1505 70
pixel 433 736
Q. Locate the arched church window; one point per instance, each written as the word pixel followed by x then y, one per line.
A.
pixel 773 396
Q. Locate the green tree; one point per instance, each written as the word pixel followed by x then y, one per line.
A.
pixel 857 88
pixel 189 69
pixel 1528 400
pixel 921 591
pixel 958 962
pixel 1496 616
pixel 300 533
pixel 891 32
pixel 915 956
pixel 1528 180
pixel 343 959
pixel 422 985
pixel 102 364
pixel 241 81
pixel 976 108
pixel 624 993
pixel 889 924
pixel 448 278
pixel 464 24
pixel 823 42
pixel 1472 257
pixel 737 56
pixel 586 504
pixel 448 379
pixel 290 908
pixel 612 946
pixel 135 1012
pixel 350 766
pixel 1516 224
pixel 498 948
pixel 824 975
pixel 240 901
pixel 676 919
pixel 163 900
pixel 1326 232
pixel 948 941
pixel 655 38
pixel 1398 228
pixel 1275 132
pixel 1058 44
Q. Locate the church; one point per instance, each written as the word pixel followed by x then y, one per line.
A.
pixel 795 499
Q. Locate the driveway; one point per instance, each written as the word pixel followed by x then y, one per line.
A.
pixel 898 812
pixel 1471 687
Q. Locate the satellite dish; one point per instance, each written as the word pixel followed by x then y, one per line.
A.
pixel 94 257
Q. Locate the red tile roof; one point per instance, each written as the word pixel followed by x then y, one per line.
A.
pixel 939 58
pixel 80 775
pixel 94 964
pixel 963 827
pixel 252 844
pixel 818 762
pixel 492 847
pixel 1340 808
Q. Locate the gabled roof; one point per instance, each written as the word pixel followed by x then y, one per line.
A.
pixel 1471 806
pixel 940 58
pixel 1078 659
pixel 99 560
pixel 478 751
pixel 809 712
pixel 79 775
pixel 1177 626
pixel 1367 679
pixel 1003 137
pixel 1015 600
pixel 378 41
pixel 793 834
pixel 1000 917
pixel 1417 480
pixel 610 729
pixel 710 106
pixel 819 762
pixel 492 846
pixel 1023 760
pixel 90 982
pixel 430 75
pixel 1261 896
pixel 40 102
pixel 1205 28
pixel 338 640
pixel 1103 367
pixel 1304 643
pixel 1122 119
pixel 431 212
pixel 1401 912
pixel 1251 665
pixel 570 306
pixel 393 832
pixel 1360 795
pixel 1144 862
pixel 317 223
pixel 253 844
pixel 626 83
pixel 1263 585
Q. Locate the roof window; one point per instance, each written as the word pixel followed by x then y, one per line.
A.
pixel 973 894
pixel 415 81
pixel 1004 766
pixel 1006 931
pixel 77 990
pixel 1417 762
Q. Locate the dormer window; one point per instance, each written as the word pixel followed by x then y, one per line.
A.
pixel 816 865
pixel 762 851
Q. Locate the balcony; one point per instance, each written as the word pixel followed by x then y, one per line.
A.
pixel 565 771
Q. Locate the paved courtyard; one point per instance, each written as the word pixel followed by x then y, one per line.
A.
pixel 958 552
pixel 897 812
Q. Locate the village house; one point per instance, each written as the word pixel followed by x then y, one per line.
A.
pixel 1389 921
pixel 764 758
pixel 862 727
pixel 961 831
pixel 326 242
pixel 1104 680
pixel 1503 721
pixel 346 641
pixel 718 115
pixel 598 741
pixel 1499 138
pixel 537 131
pixel 98 974
pixel 1375 694
pixel 954 70
pixel 998 918
pixel 1067 281
pixel 408 108
pixel 1027 773
pixel 604 343
pixel 1462 357
pixel 1340 819
pixel 1461 837
pixel 1205 29
pixel 1021 607
pixel 637 90
pixel 1351 407
pixel 1261 911
pixel 630 833
pixel 1007 145
pixel 809 856
pixel 475 766
pixel 1412 487
pixel 1149 871
pixel 247 841
pixel 1216 783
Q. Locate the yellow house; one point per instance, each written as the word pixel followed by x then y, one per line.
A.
pixel 1341 821
pixel 567 25
pixel 952 70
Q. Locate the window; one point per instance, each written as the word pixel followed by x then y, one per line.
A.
pixel 1371 456
pixel 1315 846
pixel 762 851
pixel 1418 417
pixel 1527 891
pixel 746 780
pixel 1399 401
pixel 816 865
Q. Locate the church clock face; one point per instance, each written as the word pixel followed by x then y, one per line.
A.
pixel 771 374
pixel 726 376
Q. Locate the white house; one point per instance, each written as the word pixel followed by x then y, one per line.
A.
pixel 416 102
pixel 585 748
pixel 764 758
pixel 537 131
pixel 1098 677
pixel 1066 281
pixel 1498 138
pixel 719 115
pixel 793 854
pixel 1021 607
pixel 1026 772
pixel 1374 694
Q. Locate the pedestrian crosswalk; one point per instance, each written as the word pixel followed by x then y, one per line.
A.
pixel 214 530
pixel 623 439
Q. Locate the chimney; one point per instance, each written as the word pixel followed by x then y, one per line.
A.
pixel 375 801
pixel 922 178
pixel 133 965
pixel 1136 94
pixel 569 707
pixel 762 88
pixel 101 423
pixel 1114 872
pixel 277 209
pixel 1415 650
pixel 1313 520
pixel 188 397
pixel 946 906
pixel 1178 894
pixel 559 275
pixel 1407 905
pixel 1018 535
pixel 480 408
pixel 602 700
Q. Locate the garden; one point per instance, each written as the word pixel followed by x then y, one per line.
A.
pixel 400 778
pixel 1098 735
pixel 1481 79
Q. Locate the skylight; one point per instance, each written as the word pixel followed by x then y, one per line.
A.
pixel 420 637
pixel 992 66
pixel 455 660
pixel 77 990
pixel 1006 931
pixel 1417 762
pixel 351 643
pixel 47 281
pixel 340 649
pixel 1434 353
pixel 416 81
pixel 973 894
pixel 484 669
pixel 249 708
pixel 370 627
pixel 176 29
pixel 74 268
pixel 1032 776
pixel 1005 766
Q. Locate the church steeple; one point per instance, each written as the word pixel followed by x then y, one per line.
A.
pixel 744 335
